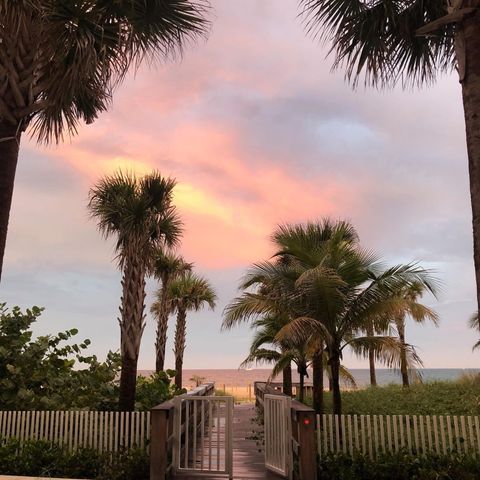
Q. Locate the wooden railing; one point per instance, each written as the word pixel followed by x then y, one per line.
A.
pixel 162 434
pixel 102 431
pixel 303 431
pixel 371 435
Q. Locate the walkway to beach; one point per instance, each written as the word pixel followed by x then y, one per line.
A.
pixel 248 453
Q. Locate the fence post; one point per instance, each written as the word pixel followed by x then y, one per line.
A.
pixel 306 441
pixel 159 443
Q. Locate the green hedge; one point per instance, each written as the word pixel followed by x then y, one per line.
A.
pixel 44 459
pixel 399 466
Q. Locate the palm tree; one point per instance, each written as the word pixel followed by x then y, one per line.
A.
pixel 139 214
pixel 61 61
pixel 412 43
pixel 418 313
pixel 281 354
pixel 166 267
pixel 341 301
pixel 309 246
pixel 187 292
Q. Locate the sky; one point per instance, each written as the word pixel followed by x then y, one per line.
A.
pixel 257 130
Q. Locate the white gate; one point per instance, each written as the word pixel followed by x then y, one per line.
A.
pixel 203 435
pixel 278 434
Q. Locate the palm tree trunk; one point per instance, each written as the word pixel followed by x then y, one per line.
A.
pixel 301 393
pixel 132 324
pixel 468 47
pixel 371 360
pixel 9 146
pixel 179 349
pixel 287 380
pixel 317 364
pixel 400 323
pixel 337 398
pixel 162 326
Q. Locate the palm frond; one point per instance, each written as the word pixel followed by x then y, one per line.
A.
pixel 378 40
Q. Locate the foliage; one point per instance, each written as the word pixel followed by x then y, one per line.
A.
pixel 378 39
pixel 461 397
pixel 155 389
pixel 399 466
pixel 43 374
pixel 44 459
pixel 70 56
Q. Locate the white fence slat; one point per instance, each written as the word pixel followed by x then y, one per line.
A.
pixel 389 433
pixel 337 434
pixel 422 433
pixel 464 434
pixel 350 437
pixel 457 434
pixel 343 433
pixel 395 432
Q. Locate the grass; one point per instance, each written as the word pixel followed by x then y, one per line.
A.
pixel 461 397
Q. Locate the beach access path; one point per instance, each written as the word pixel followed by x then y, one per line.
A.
pixel 248 452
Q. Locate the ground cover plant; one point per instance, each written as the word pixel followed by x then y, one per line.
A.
pixel 400 466
pixel 461 397
pixel 44 459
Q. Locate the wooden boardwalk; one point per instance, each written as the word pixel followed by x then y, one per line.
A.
pixel 248 452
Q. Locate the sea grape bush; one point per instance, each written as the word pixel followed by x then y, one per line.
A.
pixel 52 373
pixel 49 372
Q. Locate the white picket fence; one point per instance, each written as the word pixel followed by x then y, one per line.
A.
pixel 419 434
pixel 103 431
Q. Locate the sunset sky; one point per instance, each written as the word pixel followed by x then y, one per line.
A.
pixel 257 131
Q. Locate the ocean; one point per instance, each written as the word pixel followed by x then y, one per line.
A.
pixel 243 378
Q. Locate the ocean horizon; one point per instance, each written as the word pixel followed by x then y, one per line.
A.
pixel 232 377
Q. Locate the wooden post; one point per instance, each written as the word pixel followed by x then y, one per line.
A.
pixel 159 436
pixel 306 441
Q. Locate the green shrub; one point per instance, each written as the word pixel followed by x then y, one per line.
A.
pixel 461 397
pixel 44 459
pixel 400 466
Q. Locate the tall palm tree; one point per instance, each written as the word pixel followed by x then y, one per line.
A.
pixel 418 313
pixel 166 267
pixel 187 292
pixel 309 246
pixel 139 214
pixel 412 43
pixel 61 61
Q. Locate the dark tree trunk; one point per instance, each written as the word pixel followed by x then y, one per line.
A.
pixel 317 364
pixel 330 382
pixel 128 384
pixel 302 386
pixel 287 380
pixel 162 326
pixel 467 49
pixel 180 338
pixel 132 325
pixel 337 398
pixel 9 145
pixel 371 361
pixel 403 352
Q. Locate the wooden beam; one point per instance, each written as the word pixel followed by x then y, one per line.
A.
pixel 454 17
